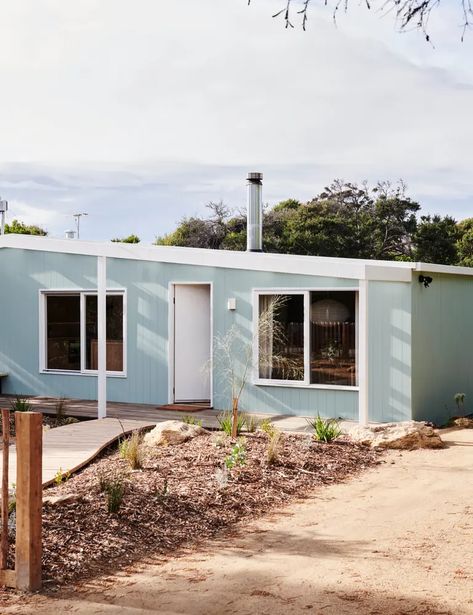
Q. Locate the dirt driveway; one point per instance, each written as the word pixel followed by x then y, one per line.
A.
pixel 397 540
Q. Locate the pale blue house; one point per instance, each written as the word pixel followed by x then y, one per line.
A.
pixel 368 340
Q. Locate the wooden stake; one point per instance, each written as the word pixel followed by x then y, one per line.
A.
pixel 234 417
pixel 29 499
pixel 6 445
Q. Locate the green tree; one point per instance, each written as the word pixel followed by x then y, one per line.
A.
pixel 20 228
pixel 435 240
pixel 129 239
pixel 465 242
pixel 198 232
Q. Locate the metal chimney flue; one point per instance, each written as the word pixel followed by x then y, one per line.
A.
pixel 254 230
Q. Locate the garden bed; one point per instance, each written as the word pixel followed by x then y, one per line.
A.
pixel 182 497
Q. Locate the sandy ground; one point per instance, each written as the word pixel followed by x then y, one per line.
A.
pixel 397 540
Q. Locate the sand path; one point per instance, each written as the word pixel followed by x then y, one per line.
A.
pixel 397 540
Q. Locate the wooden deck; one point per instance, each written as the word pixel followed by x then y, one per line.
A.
pixel 87 409
pixel 71 447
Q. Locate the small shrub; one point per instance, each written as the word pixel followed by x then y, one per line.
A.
pixel 274 447
pixel 60 407
pixel 251 422
pixel 131 449
pixel 20 404
pixel 61 477
pixel 237 455
pixel 103 481
pixel 268 427
pixel 69 420
pixel 325 430
pixel 191 420
pixel 115 490
pixel 225 421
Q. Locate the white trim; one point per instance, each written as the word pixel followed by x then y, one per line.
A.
pixel 349 268
pixel 82 293
pixel 306 384
pixel 301 385
pixel 101 337
pixel 363 372
pixel 302 289
pixel 171 323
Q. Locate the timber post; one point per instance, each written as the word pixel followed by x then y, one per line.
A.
pixel 29 500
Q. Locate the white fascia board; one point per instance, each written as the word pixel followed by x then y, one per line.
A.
pixel 448 269
pixel 354 269
pixel 389 274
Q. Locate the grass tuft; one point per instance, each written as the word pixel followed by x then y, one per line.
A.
pixel 131 449
pixel 274 447
pixel 225 422
pixel 325 430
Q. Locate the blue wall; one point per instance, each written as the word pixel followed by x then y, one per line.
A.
pixel 442 346
pixel 389 351
pixel 24 273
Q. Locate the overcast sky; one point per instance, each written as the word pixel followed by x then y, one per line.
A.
pixel 141 112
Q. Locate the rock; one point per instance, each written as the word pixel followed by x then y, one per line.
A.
pixel 463 422
pixel 407 435
pixel 67 498
pixel 172 432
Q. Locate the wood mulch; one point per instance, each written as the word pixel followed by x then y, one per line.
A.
pixel 178 499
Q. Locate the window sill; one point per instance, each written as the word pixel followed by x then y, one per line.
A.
pixel 302 385
pixel 65 372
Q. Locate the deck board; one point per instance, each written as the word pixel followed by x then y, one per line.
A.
pixel 71 447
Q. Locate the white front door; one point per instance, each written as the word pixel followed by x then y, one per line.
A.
pixel 192 342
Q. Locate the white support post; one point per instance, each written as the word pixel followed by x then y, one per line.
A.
pixel 102 336
pixel 363 404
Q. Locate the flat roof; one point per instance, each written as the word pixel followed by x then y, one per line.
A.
pixel 349 268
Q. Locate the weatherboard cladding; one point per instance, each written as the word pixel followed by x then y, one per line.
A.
pixel 442 342
pixel 403 318
pixel 147 286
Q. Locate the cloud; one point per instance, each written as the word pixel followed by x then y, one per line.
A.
pixel 143 113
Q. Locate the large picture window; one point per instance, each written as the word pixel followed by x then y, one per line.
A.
pixel 281 337
pixel 307 337
pixel 71 342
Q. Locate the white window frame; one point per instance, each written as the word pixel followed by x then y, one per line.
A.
pixel 305 383
pixel 82 294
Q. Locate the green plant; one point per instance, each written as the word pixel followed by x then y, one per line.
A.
pixel 20 404
pixel 115 490
pixel 251 422
pixel 103 481
pixel 225 420
pixel 69 420
pixel 237 455
pixel 274 447
pixel 61 477
pixel 325 430
pixel 60 407
pixel 268 427
pixel 191 420
pixel 460 401
pixel 131 449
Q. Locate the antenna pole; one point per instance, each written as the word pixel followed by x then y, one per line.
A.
pixel 3 210
pixel 77 218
